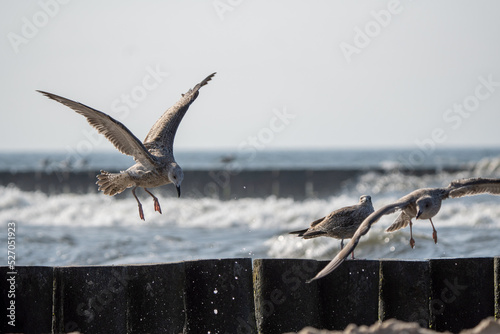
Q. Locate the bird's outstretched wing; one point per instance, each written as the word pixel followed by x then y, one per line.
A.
pixel 473 186
pixel 114 131
pixel 401 221
pixel 362 230
pixel 161 135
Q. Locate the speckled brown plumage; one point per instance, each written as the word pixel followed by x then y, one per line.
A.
pixel 341 223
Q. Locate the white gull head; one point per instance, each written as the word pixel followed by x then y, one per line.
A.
pixel 428 207
pixel 175 175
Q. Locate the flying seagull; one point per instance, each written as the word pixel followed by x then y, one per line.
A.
pixel 422 203
pixel 155 163
pixel 341 223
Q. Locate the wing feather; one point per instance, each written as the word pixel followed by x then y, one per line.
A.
pixel 114 131
pixel 162 133
pixel 317 221
pixel 473 186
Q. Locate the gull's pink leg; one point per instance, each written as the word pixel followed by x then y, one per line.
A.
pixel 412 241
pixel 141 214
pixel 156 203
pixel 434 232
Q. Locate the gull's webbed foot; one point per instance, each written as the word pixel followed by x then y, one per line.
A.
pixel 435 236
pixel 412 241
pixel 157 205
pixel 155 200
pixel 141 213
pixel 434 232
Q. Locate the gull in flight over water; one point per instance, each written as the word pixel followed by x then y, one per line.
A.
pixel 422 204
pixel 341 223
pixel 155 164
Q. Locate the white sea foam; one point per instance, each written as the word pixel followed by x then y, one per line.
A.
pixel 96 229
pixel 269 213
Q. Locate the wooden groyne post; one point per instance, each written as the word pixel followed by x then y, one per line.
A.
pixel 241 296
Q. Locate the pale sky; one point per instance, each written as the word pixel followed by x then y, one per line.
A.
pixel 290 74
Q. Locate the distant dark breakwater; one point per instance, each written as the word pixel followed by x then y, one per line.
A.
pixel 222 184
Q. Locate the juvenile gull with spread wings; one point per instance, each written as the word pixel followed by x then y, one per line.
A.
pixel 422 203
pixel 155 164
pixel 341 223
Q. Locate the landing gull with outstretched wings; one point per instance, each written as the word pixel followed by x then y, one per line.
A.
pixel 155 163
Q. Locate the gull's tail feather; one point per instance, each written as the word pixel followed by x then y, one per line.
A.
pixel 306 234
pixel 401 221
pixel 299 233
pixel 313 234
pixel 397 225
pixel 112 183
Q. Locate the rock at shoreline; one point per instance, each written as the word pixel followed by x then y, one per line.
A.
pixel 393 326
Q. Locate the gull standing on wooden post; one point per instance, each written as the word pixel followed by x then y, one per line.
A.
pixel 341 223
pixel 155 163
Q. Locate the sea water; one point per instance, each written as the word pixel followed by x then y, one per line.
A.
pixel 90 229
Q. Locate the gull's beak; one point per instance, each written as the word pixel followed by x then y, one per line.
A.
pixel 178 191
pixel 418 214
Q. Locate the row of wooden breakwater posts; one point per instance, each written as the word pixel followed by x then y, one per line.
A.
pixel 240 296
